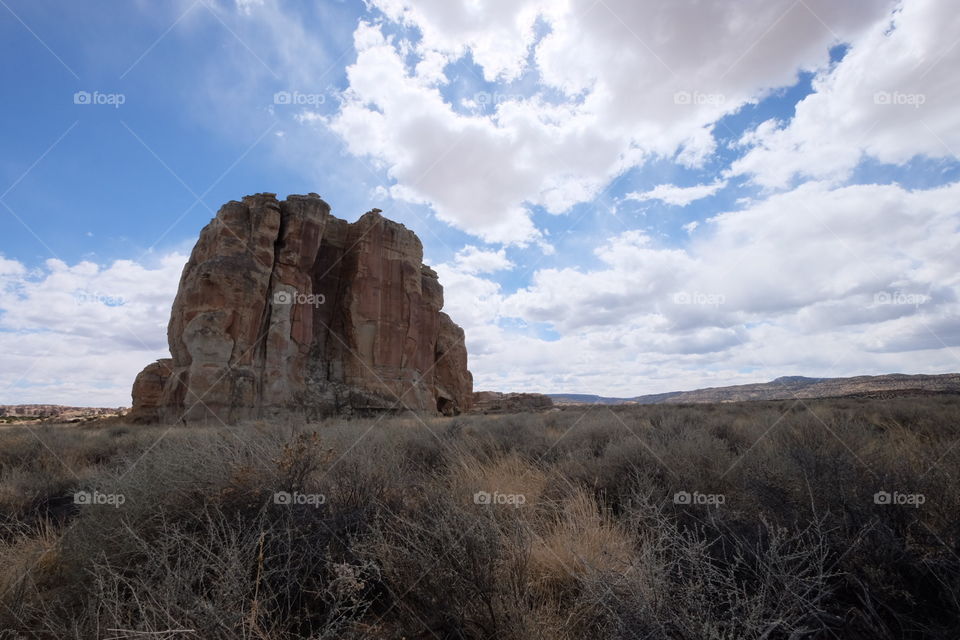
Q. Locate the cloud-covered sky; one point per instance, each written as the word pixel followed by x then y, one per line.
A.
pixel 620 196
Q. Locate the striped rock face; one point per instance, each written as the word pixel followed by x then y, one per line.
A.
pixel 286 310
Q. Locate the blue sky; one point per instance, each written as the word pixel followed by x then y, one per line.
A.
pixel 620 197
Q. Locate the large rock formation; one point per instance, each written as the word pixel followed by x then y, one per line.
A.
pixel 285 309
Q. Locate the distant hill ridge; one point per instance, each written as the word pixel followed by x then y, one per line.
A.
pixel 786 388
pixel 55 412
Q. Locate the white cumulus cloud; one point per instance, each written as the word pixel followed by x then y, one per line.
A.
pixel 892 97
pixel 78 334
pixel 678 196
pixel 471 259
pixel 634 80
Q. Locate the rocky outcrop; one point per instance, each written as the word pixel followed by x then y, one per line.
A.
pixel 148 392
pixel 495 402
pixel 22 413
pixel 285 309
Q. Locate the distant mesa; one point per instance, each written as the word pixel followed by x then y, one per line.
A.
pixel 286 310
pixel 788 388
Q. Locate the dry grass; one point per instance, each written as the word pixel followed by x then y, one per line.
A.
pixel 582 540
pixel 578 536
pixel 509 475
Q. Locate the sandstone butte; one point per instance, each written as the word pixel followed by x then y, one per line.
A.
pixel 286 310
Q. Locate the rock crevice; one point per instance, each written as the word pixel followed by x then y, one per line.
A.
pixel 284 309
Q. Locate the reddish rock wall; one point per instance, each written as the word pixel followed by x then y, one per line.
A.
pixel 285 309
